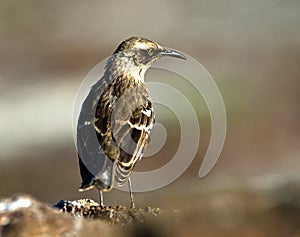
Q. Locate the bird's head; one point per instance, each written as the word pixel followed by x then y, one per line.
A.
pixel 137 54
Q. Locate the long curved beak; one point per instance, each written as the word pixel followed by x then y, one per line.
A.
pixel 172 53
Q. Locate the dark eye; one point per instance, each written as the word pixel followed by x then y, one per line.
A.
pixel 150 51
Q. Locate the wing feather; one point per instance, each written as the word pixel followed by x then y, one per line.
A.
pixel 96 168
pixel 120 118
pixel 134 118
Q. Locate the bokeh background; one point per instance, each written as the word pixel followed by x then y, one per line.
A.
pixel 251 48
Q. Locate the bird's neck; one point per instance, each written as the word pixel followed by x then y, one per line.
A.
pixel 125 67
pixel 137 74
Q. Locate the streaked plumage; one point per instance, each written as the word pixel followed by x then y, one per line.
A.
pixel 117 116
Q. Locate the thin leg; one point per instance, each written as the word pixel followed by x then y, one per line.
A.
pixel 101 199
pixel 131 194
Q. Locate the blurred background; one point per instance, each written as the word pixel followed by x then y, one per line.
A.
pixel 251 49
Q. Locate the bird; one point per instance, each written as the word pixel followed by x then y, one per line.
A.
pixel 116 117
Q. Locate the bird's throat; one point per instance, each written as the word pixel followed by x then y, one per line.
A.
pixel 137 74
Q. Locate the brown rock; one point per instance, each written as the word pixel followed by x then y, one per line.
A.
pixel 22 215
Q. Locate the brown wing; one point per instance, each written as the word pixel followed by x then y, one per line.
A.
pixel 120 118
pixel 132 120
pixel 96 151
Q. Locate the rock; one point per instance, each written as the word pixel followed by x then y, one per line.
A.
pixel 22 215
pixel 117 215
pixel 247 211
